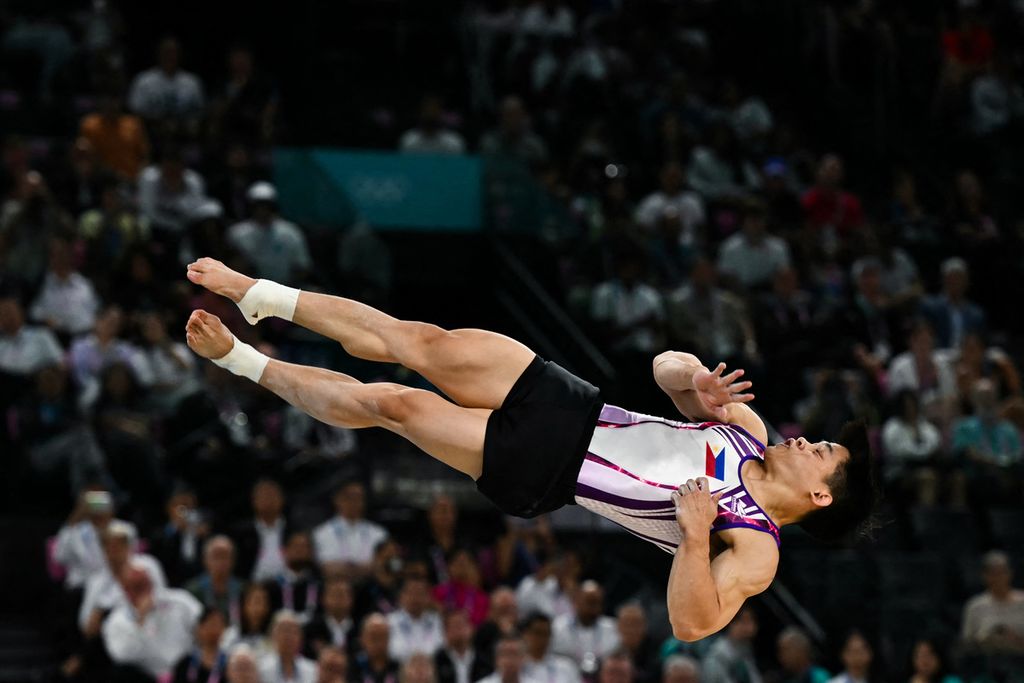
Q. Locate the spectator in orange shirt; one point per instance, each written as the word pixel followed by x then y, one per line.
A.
pixel 119 138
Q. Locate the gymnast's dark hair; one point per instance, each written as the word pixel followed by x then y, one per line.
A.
pixel 854 488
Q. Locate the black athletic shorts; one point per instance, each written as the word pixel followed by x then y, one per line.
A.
pixel 536 441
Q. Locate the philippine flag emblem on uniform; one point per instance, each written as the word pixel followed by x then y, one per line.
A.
pixel 714 465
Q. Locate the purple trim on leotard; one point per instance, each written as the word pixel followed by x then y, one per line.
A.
pixel 587 491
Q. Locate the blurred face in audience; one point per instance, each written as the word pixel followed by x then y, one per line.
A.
pixel 794 653
pixel 242 669
pixel 118 550
pixel 60 258
pixel 267 500
pixel 458 631
pixel 375 637
pixel 110 323
pixel 298 552
pixel 925 660
pixel 538 638
pixel 503 605
pixel 508 656
pixel 211 629
pixel 744 626
pixel 12 317
pixel 616 670
pixel 419 669
pixel 997 575
pixel 442 516
pixel 240 63
pixel 287 638
pixel 255 605
pixel 52 383
pixel 672 179
pixel 415 597
pixel 219 558
pixel 589 602
pixel 350 501
pixel 830 171
pixel 338 598
pixel 179 506
pixel 137 584
pixel 462 569
pixel 632 626
pixel 169 55
pixel 681 674
pixel 333 665
pixel 856 655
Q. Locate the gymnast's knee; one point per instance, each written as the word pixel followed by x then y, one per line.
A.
pixel 395 404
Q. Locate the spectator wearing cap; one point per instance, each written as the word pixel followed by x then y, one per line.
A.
pixel 24 349
pixel 217 586
pixel 430 136
pixel 587 635
pixel 275 248
pixel 286 663
pixel 152 629
pixel 207 663
pixel 167 94
pixel 67 302
pixel 348 538
pixel 78 547
pixel 168 194
pixel 994 620
pixel 672 193
pixel 752 256
pixel 118 137
pixel 951 314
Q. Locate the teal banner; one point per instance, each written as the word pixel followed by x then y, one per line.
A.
pixel 329 187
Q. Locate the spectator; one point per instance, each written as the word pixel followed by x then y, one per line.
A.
pixel 217 586
pixel 995 100
pixel 869 321
pixel 616 668
pixel 588 635
pixel 109 231
pixel 456 661
pixel 333 626
pixel 28 223
pixel 513 137
pixel 379 591
pixel 252 632
pixel 166 94
pixel 24 349
pixel 92 354
pixel 275 248
pixel 286 663
pixel 857 657
pixel 710 321
pixel 753 256
pixel 169 366
pixel 685 669
pixel 152 630
pixel 629 312
pixel 259 540
pixel 168 194
pixel 993 621
pixel 908 215
pixel 718 171
pixel 989 445
pixel 975 362
pixel 462 590
pixel 177 545
pixel 777 192
pixel 549 590
pixel 502 621
pixel 970 216
pixel 673 193
pixel 78 183
pixel 830 212
pixel 348 538
pixel 430 136
pixel 67 302
pixel 246 107
pixel 794 653
pixel 927 372
pixel 547 19
pixel 670 258
pixel 509 662
pixel 911 444
pixel 373 664
pixel 332 665
pixel 951 314
pixel 297 587
pixel 77 546
pixel 928 663
pixel 731 657
pixel 441 536
pixel 242 666
pixel 419 668
pixel 119 138
pixel 636 643
pixel 541 663
pixel 207 663
pixel 415 627
pixel 103 590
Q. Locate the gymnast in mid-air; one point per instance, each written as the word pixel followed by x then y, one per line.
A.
pixel 534 437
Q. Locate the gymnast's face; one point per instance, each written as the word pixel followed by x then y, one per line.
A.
pixel 806 466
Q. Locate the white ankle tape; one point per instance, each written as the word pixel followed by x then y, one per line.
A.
pixel 243 360
pixel 267 298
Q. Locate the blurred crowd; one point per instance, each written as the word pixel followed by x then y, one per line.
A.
pixel 683 204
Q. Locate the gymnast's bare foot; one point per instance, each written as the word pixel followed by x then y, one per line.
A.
pixel 219 279
pixel 207 335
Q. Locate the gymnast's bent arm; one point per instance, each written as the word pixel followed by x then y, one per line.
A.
pixel 702 394
pixel 704 594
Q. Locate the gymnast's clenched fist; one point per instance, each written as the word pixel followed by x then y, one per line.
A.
pixel 696 507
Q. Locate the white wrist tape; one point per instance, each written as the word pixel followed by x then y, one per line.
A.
pixel 267 298
pixel 243 360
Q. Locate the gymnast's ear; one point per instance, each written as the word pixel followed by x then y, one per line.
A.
pixel 821 498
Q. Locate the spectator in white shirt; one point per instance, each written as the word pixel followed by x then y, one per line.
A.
pixel 169 195
pixel 91 354
pixel 927 371
pixel 673 193
pixel 286 664
pixel 509 662
pixel 260 540
pixel 103 591
pixel 993 621
pixel 457 661
pixel 242 666
pixel 348 538
pixel 333 627
pixel 275 248
pixel 549 590
pixel 415 627
pixel 910 442
pixel 154 628
pixel 166 93
pixel 752 256
pixel 629 312
pixel 78 548
pixel 332 665
pixel 67 302
pixel 430 136
pixel 24 349
pixel 587 635
pixel 541 663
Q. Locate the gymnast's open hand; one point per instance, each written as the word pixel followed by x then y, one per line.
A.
pixel 716 391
